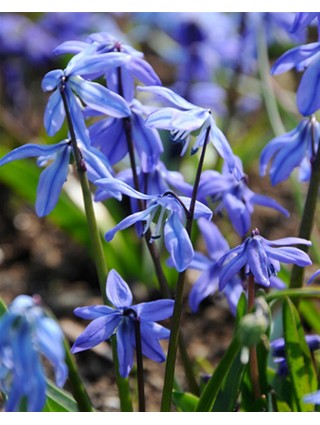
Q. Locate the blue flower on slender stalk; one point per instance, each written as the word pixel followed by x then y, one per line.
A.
pixel 167 210
pixel 304 58
pixel 278 351
pixel 183 120
pixel 208 282
pixel 25 334
pixel 262 258
pixel 121 321
pixel 75 87
pixel 297 148
pixel 56 158
pixel 234 196
pixel 135 66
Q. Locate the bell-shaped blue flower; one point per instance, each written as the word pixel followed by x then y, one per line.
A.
pixel 303 58
pixel 234 196
pixel 184 119
pixel 168 210
pixel 26 333
pixel 120 320
pixel 56 158
pixel 261 258
pixel 297 148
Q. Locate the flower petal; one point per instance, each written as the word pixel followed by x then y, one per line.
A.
pixel 308 100
pixel 154 311
pixel 54 114
pixel 125 347
pixel 118 291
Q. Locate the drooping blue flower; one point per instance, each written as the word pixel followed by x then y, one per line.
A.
pixel 56 158
pixel 297 148
pixel 304 58
pixel 208 282
pixel 184 119
pixel 234 196
pixel 110 136
pixel 121 321
pixel 167 210
pixel 75 87
pixel 135 66
pixel 262 258
pixel 278 351
pixel 25 334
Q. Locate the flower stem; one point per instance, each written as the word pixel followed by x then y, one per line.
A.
pixel 253 361
pixel 142 401
pixel 96 242
pixel 176 318
pixel 296 280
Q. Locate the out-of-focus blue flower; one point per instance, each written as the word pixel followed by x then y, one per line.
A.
pixel 25 334
pixel 208 282
pixel 304 58
pixel 168 210
pixel 56 158
pixel 302 20
pixel 184 119
pixel 134 67
pixel 262 258
pixel 297 148
pixel 70 82
pixel 121 321
pixel 110 136
pixel 278 351
pixel 234 196
pixel 313 398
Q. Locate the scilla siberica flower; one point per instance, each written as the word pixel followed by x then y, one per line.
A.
pixel 169 211
pixel 304 58
pixel 297 148
pixel 56 158
pixel 261 258
pixel 184 119
pixel 120 321
pixel 25 334
pixel 234 196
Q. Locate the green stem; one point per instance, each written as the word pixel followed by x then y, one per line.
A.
pixel 96 242
pixel 253 360
pixel 176 318
pixel 266 84
pixel 296 280
pixel 141 396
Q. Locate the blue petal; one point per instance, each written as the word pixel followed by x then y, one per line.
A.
pixel 178 243
pixel 268 202
pixel 289 255
pixel 125 344
pixel 96 163
pixel 258 261
pixel 77 118
pixel 222 145
pixel 206 285
pixel 51 80
pixel 100 98
pixel 51 182
pixel 114 186
pixel 118 292
pixel 54 114
pixel 93 312
pixel 86 63
pixel 238 213
pixel 172 98
pixel 231 268
pixel 143 71
pixel 154 311
pixel 70 46
pixel 215 243
pixel 151 348
pixel 97 331
pixel 294 57
pixel 308 99
pixel 313 398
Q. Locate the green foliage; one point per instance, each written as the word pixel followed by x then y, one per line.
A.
pixel 185 402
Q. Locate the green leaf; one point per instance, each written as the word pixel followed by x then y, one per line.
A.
pixel 212 388
pixel 242 308
pixel 59 400
pixel 3 307
pixel 185 402
pixel 301 369
pixel 293 293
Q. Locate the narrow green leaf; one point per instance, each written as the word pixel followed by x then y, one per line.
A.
pixel 59 400
pixel 3 307
pixel 185 402
pixel 293 293
pixel 301 369
pixel 241 308
pixel 211 390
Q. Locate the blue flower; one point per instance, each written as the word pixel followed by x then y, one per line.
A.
pixel 313 398
pixel 74 87
pixel 278 351
pixel 121 320
pixel 261 257
pixel 25 334
pixel 302 20
pixel 56 158
pixel 184 119
pixel 297 148
pixel 235 196
pixel 305 57
pixel 208 282
pixel 168 210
